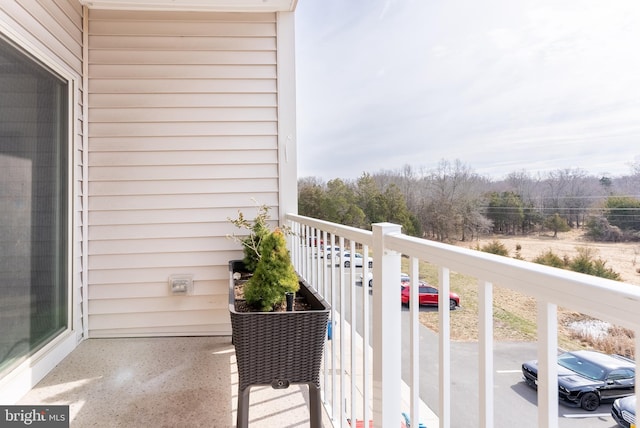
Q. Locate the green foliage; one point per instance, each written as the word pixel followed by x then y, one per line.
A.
pixel 585 262
pixel 623 212
pixel 357 205
pixel 274 275
pixel 506 211
pixel 340 207
pixel 557 224
pixel 495 247
pixel 311 199
pixel 550 259
pixel 599 229
pixel 258 229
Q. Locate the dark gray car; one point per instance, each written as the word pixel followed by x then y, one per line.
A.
pixel 585 378
pixel 624 411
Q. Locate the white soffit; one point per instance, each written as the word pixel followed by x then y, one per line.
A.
pixel 195 5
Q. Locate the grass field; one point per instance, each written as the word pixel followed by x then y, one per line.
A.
pixel 514 313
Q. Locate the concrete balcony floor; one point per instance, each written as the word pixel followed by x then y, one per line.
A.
pixel 162 382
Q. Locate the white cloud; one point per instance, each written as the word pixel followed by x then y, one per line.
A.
pixel 497 84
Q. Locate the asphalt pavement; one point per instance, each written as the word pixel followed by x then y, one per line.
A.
pixel 515 402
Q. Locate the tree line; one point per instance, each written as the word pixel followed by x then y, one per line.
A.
pixel 452 202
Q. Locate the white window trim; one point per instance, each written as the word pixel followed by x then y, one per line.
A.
pixel 22 378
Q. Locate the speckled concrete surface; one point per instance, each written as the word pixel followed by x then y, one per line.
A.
pixel 162 382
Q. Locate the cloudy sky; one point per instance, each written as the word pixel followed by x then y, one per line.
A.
pixel 502 85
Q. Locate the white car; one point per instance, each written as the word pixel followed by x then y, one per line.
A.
pixel 358 258
pixel 328 251
pixel 405 279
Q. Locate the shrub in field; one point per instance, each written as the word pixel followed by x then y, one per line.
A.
pixel 550 259
pixel 495 247
pixel 585 262
pixel 599 229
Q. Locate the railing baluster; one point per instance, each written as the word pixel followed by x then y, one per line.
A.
pixel 366 346
pixel 353 320
pixel 414 266
pixel 337 409
pixel 485 352
pixel 343 392
pixel 444 323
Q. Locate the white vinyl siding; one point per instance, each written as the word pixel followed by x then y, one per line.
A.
pixel 51 31
pixel 183 132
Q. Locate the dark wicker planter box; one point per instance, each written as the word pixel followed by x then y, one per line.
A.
pixel 279 348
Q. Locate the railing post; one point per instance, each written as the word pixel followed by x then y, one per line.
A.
pixel 547 365
pixel 386 329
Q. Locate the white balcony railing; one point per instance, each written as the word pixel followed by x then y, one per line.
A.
pixel 362 364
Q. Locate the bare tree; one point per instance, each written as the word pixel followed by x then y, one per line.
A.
pixel 452 201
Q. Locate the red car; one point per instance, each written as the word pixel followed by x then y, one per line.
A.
pixel 427 295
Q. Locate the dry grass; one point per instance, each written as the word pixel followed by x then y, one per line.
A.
pixel 515 314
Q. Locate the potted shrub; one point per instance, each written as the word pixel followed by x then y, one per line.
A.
pixel 274 346
pixel 274 277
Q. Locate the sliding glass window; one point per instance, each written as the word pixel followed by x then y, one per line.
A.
pixel 34 198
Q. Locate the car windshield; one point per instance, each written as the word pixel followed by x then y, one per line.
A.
pixel 580 366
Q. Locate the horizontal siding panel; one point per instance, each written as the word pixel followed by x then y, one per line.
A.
pixel 184 43
pixel 125 277
pixel 70 23
pixel 151 260
pixel 140 27
pixel 216 290
pixel 160 129
pixel 186 115
pixel 191 330
pixel 176 245
pixel 156 319
pixel 182 100
pixel 186 215
pixel 210 17
pixel 176 71
pixel 180 86
pixel 211 158
pixel 37 22
pixel 108 203
pixel 111 173
pixel 184 143
pixel 180 57
pixel 154 231
pixel 72 9
pixel 185 187
pixel 165 304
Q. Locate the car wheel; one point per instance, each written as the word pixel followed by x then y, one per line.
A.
pixel 370 265
pixel 347 264
pixel 590 401
pixel 452 304
pixel 371 283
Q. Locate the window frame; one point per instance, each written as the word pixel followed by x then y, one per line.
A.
pixel 29 371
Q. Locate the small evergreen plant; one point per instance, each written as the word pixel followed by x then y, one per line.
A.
pixel 274 275
pixel 258 229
